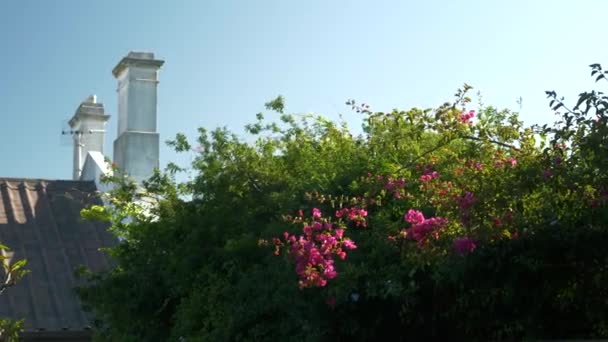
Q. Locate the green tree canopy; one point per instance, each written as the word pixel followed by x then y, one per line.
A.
pixel 437 223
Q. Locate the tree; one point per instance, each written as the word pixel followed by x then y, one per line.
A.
pixel 10 329
pixel 429 224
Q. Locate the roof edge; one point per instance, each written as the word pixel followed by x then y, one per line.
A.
pixel 21 179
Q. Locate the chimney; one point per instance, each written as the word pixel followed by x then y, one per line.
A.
pixel 88 130
pixel 137 144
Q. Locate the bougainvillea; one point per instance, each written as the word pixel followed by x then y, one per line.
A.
pixel 439 224
pixel 466 117
pixel 464 245
pixel 314 251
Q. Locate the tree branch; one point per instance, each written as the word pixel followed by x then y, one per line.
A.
pixel 411 163
pixel 470 137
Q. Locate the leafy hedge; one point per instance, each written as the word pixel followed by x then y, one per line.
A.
pixel 443 224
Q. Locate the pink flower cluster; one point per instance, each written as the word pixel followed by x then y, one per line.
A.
pixel 316 213
pixel 509 161
pixel 422 228
pixel 395 186
pixel 429 176
pixel 466 201
pixel 354 214
pixel 314 251
pixel 464 245
pixel 466 117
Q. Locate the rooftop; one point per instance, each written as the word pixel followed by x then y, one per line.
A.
pixel 40 221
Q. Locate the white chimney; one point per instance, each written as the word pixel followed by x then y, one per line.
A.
pixel 137 144
pixel 88 131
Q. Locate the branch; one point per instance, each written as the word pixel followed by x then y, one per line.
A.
pixel 3 287
pixel 411 163
pixel 560 103
pixel 8 282
pixel 470 137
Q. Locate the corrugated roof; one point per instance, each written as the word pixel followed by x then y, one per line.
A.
pixel 40 221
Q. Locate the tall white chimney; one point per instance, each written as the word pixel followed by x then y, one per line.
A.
pixel 136 147
pixel 88 130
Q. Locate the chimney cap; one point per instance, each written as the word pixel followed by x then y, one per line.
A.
pixel 135 58
pixel 89 108
pixel 141 55
pixel 90 99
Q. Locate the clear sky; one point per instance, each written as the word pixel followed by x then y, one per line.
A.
pixel 224 59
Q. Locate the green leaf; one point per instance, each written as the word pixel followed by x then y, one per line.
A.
pixel 278 104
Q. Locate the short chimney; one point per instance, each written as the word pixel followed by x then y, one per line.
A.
pixel 136 147
pixel 88 131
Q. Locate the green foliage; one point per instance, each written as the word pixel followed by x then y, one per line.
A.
pixel 10 329
pixel 196 259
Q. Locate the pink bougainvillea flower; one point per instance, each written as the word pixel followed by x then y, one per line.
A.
pixel 354 214
pixel 428 228
pixel 316 213
pixel 314 251
pixel 464 245
pixel 339 233
pixel 466 117
pixel 429 176
pixel 466 201
pixel 389 185
pixel 414 216
pixel 422 228
pixel 349 244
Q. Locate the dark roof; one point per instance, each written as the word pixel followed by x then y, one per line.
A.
pixel 40 221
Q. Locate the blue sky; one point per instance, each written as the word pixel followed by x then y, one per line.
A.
pixel 224 59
